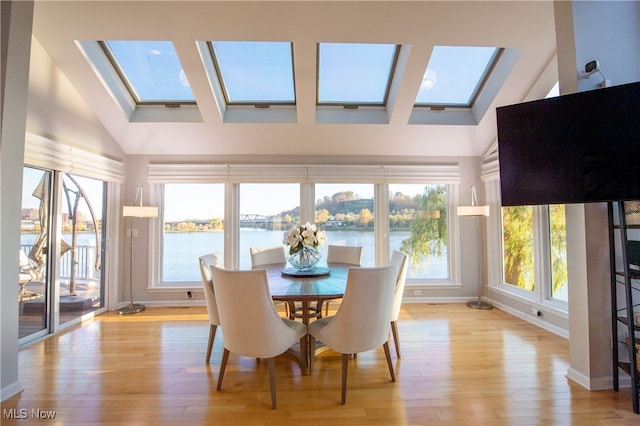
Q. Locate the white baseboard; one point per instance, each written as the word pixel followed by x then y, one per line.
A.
pixel 598 383
pixel 531 319
pixel 11 390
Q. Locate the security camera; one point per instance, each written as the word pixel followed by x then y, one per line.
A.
pixel 591 67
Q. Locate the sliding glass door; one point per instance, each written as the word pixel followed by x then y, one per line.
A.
pixel 72 233
pixel 33 266
pixel 82 247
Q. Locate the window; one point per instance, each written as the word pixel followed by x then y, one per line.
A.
pixel 267 210
pixel 353 74
pixel 518 253
pixel 353 212
pixel 255 72
pixel 418 227
pixel 150 70
pixel 193 218
pixel 345 212
pixel 455 75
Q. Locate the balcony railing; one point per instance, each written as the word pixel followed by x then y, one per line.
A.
pixel 85 263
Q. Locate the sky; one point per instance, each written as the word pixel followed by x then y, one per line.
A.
pixel 265 199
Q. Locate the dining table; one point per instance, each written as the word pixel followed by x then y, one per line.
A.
pixel 306 291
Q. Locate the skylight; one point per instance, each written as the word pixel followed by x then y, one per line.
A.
pixel 455 75
pixel 255 72
pixel 150 70
pixel 353 74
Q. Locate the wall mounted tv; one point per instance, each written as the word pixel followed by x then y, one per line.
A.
pixel 577 148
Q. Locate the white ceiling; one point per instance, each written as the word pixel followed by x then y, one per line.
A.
pixel 420 24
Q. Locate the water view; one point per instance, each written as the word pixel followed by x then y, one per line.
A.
pixel 181 250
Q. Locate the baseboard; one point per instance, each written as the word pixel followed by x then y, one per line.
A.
pixel 11 390
pixel 559 331
pixel 598 383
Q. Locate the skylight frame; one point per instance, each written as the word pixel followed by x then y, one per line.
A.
pixel 128 84
pixel 356 104
pixel 257 103
pixel 477 90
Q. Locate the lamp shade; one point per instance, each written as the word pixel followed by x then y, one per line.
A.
pixel 140 211
pixel 473 210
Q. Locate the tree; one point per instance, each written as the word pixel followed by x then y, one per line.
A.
pixel 365 217
pixel 428 231
pixel 517 228
pixel 322 216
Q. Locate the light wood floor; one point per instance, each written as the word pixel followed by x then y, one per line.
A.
pixel 459 366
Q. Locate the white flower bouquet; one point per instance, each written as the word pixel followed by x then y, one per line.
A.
pixel 304 236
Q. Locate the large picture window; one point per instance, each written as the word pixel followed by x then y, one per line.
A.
pixel 195 221
pixel 346 213
pixel 193 217
pixel 534 253
pixel 266 211
pixel 418 227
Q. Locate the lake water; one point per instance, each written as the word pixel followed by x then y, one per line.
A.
pixel 181 250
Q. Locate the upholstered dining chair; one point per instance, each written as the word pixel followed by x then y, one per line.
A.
pixel 401 261
pixel 206 262
pixel 261 256
pixel 362 321
pixel 251 325
pixel 345 255
pixel 270 256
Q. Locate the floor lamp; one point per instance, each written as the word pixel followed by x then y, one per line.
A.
pixel 131 212
pixel 476 211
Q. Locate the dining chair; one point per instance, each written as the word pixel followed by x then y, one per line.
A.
pixel 251 324
pixel 345 255
pixel 206 262
pixel 263 256
pixel 362 320
pixel 401 261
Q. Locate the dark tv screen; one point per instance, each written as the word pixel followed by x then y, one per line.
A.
pixel 577 148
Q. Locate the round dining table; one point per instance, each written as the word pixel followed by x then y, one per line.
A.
pixel 310 289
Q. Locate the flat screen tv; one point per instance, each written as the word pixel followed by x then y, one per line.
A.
pixel 577 148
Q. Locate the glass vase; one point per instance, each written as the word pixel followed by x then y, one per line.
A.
pixel 305 259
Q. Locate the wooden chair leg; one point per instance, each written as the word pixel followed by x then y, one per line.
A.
pixel 311 349
pixel 212 337
pixel 394 331
pixel 345 364
pixel 272 380
pixel 387 354
pixel 304 352
pixel 223 365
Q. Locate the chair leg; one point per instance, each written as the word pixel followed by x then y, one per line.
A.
pixel 345 364
pixel 212 337
pixel 304 352
pixel 272 380
pixel 394 330
pixel 311 343
pixel 223 365
pixel 387 354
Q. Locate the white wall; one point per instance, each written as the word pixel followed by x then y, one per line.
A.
pixel 16 39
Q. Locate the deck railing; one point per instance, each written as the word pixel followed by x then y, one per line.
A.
pixel 85 263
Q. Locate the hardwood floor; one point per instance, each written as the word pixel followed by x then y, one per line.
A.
pixel 459 366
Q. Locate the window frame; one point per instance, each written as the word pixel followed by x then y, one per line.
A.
pixel 129 85
pixel 356 104
pixel 255 103
pixel 257 173
pixel 541 296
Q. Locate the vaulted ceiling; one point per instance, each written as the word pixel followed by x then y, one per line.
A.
pixel 523 27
